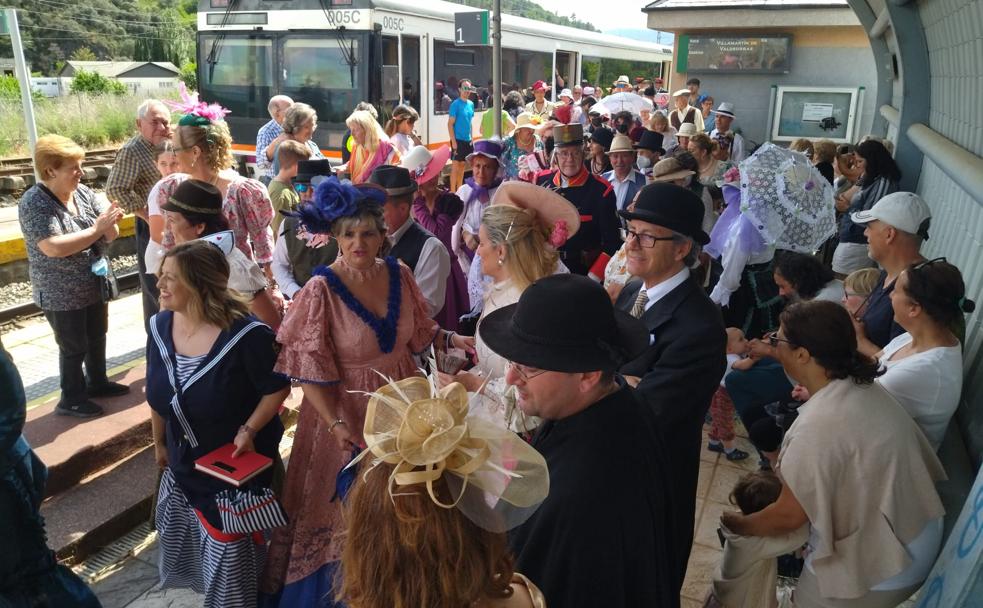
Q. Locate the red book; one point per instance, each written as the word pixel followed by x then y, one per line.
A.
pixel 236 471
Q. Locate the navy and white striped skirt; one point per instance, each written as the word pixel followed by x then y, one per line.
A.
pixel 193 554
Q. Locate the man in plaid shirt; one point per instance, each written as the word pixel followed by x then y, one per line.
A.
pixel 133 176
pixel 269 136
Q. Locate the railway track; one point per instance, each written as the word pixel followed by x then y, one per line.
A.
pixel 129 280
pixel 24 166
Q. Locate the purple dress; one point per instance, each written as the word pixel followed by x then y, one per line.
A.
pixel 441 223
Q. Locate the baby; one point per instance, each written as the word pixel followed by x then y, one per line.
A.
pixel 748 572
pixel 721 407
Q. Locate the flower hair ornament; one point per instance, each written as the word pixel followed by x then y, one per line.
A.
pixel 334 199
pixel 196 113
pixel 559 234
pixel 494 478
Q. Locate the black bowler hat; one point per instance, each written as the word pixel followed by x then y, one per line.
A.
pixel 307 170
pixel 395 180
pixel 195 196
pixel 651 140
pixel 543 330
pixel 672 207
pixel 603 136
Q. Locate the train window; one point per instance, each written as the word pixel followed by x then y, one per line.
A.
pixel 459 57
pixel 312 63
pixel 239 62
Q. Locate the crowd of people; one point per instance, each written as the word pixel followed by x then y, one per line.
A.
pixel 577 312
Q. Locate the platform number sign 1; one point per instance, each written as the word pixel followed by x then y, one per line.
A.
pixel 471 29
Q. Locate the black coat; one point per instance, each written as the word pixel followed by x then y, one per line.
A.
pixel 679 374
pixel 602 536
pixel 599 223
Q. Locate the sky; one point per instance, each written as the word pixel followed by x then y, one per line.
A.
pixel 604 14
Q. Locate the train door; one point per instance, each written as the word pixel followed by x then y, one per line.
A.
pixel 410 78
pixel 568 69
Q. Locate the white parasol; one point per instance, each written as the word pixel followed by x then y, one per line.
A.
pixel 620 102
pixel 788 201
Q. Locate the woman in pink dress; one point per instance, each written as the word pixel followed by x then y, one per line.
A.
pixel 353 320
pixel 437 209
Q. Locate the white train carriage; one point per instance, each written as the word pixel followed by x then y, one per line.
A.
pixel 333 54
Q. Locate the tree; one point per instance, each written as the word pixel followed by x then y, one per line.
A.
pixel 189 75
pixel 83 53
pixel 96 84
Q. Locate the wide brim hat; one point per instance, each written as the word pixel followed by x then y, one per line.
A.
pixel 424 165
pixel 620 143
pixel 489 148
pixel 681 92
pixel 548 206
pixel 528 120
pixel 670 206
pixel 623 79
pixel 396 181
pixel 195 196
pixel 687 129
pixel 651 140
pixel 669 169
pixel 544 331
pixel 307 170
pixel 568 135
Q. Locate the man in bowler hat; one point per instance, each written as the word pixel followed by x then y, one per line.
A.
pixel 591 195
pixel 411 243
pixel 678 373
pixel 603 535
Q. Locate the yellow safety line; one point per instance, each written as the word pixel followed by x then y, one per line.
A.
pixel 12 246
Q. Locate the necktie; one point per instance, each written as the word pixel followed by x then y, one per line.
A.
pixel 639 307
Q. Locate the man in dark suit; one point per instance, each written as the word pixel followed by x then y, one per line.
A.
pixel 679 372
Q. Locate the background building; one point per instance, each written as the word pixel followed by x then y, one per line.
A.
pixel 140 77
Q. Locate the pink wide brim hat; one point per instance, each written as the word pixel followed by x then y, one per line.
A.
pixel 436 164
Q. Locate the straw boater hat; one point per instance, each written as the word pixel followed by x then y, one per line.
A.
pixel 681 93
pixel 424 165
pixel 623 79
pixel 620 143
pixel 551 209
pixel 669 169
pixel 687 129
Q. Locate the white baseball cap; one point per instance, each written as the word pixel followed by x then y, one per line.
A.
pixel 905 211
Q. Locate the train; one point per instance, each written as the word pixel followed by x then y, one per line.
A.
pixel 333 54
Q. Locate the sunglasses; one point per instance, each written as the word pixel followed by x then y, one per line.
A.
pixel 773 339
pixel 921 265
pixel 301 188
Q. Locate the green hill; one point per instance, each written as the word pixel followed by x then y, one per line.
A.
pixel 529 10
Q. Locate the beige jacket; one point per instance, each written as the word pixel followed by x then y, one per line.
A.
pixel 748 573
pixel 865 475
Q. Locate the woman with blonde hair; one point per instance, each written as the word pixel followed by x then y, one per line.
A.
pixel 370 147
pixel 660 124
pixel 67 230
pixel 210 382
pixel 518 239
pixel 203 146
pixel 436 529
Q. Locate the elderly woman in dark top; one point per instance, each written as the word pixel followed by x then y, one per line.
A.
pixel 67 231
pixel 205 342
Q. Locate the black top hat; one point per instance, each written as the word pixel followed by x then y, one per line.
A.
pixel 672 207
pixel 568 135
pixel 309 169
pixel 395 180
pixel 603 136
pixel 651 140
pixel 542 330
pixel 195 196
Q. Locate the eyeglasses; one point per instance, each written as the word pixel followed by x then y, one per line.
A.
pixel 525 372
pixel 773 339
pixel 921 265
pixel 645 240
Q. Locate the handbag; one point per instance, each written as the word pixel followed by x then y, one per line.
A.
pixel 109 286
pixel 244 511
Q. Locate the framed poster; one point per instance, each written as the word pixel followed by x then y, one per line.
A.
pixel 815 113
pixel 737 54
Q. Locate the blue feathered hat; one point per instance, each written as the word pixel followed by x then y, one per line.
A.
pixel 334 199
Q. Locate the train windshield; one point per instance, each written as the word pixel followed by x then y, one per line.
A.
pixel 237 71
pixel 319 71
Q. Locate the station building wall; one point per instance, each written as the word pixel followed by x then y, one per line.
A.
pixel 829 56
